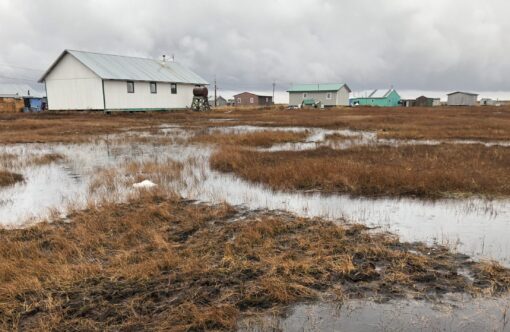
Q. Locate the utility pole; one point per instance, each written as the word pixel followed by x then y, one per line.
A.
pixel 274 88
pixel 215 93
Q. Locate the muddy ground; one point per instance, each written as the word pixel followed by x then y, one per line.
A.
pixel 163 263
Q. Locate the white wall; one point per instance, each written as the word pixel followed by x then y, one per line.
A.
pixel 462 99
pixel 117 97
pixel 343 97
pixel 72 86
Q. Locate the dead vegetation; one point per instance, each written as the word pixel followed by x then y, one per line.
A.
pixel 252 139
pixel 419 171
pixel 478 123
pixel 9 179
pixel 167 264
pixel 46 159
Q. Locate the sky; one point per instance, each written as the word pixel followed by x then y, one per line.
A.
pixel 436 45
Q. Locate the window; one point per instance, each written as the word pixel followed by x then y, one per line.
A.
pixel 251 100
pixel 267 100
pixel 154 87
pixel 173 88
pixel 305 95
pixel 130 87
pixel 328 95
pixel 238 100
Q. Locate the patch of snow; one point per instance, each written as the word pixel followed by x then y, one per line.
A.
pixel 145 185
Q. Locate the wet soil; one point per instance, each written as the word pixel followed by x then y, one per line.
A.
pixel 164 263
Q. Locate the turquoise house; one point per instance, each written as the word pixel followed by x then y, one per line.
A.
pixel 378 98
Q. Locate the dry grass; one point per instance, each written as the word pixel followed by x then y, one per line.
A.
pixel 420 171
pixel 9 179
pixel 483 123
pixel 159 263
pixel 47 159
pixel 254 139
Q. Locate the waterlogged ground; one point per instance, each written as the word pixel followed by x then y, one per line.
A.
pixel 477 227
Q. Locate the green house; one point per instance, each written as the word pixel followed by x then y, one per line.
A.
pixel 378 98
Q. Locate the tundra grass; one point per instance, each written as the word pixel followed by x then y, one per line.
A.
pixel 416 170
pixel 263 139
pixel 9 178
pixel 161 263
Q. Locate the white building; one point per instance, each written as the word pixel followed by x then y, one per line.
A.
pixel 91 81
pixel 328 95
pixel 462 99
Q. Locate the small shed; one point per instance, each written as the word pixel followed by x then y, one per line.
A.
pixel 427 102
pixel 488 102
pixel 460 98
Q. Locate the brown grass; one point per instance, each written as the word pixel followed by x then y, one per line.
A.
pixel 254 139
pixel 483 123
pixel 166 264
pixel 47 159
pixel 421 171
pixel 9 179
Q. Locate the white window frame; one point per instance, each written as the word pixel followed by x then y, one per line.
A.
pixel 252 100
pixel 305 95
pixel 239 100
pixel 173 88
pixel 329 96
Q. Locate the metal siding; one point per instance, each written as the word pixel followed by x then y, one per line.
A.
pixel 72 86
pixel 117 98
pixel 343 97
pixel 462 99
pixel 296 98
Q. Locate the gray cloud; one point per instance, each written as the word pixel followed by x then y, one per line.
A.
pixel 421 45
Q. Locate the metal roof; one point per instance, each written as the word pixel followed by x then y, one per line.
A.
pixel 118 67
pixel 465 93
pixel 21 90
pixel 381 93
pixel 329 87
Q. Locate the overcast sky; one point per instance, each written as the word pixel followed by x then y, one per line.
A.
pixel 435 45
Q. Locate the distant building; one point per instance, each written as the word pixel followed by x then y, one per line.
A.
pixel 427 102
pixel 251 99
pixel 378 98
pixel 328 95
pixel 408 102
pixel 488 102
pixel 21 97
pixel 92 81
pixel 460 98
pixel 220 102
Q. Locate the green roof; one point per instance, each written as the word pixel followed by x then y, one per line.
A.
pixel 331 87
